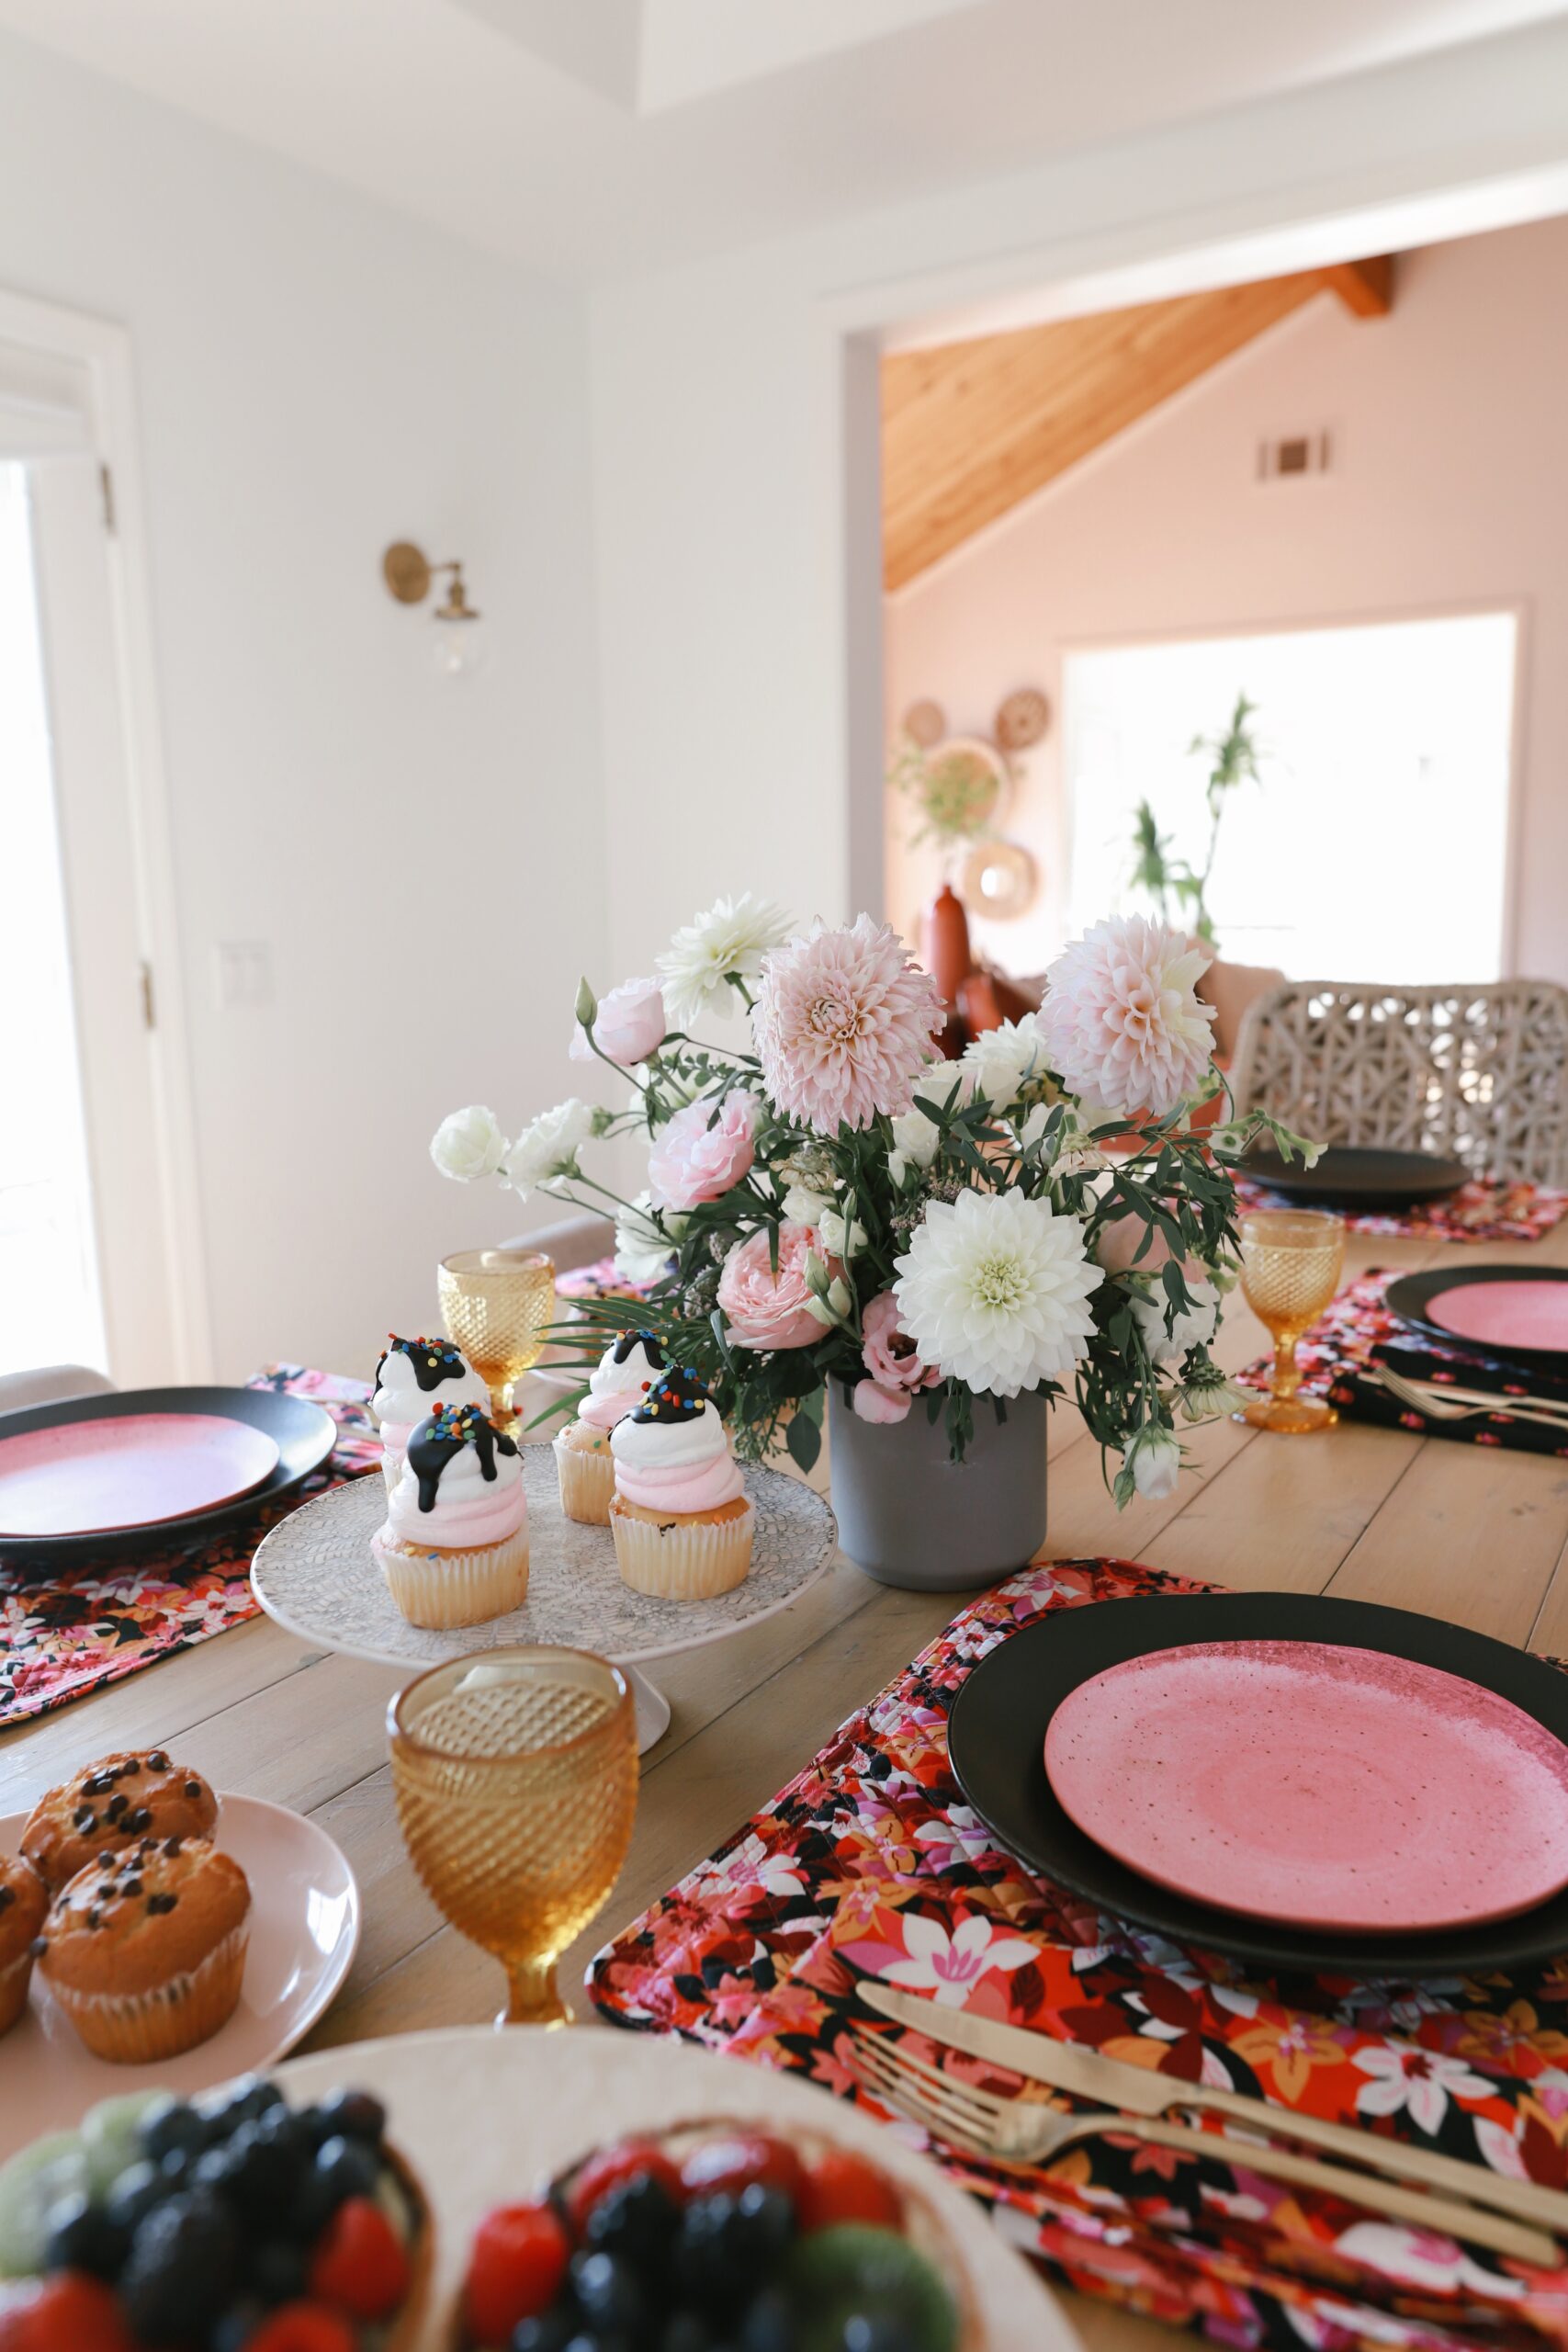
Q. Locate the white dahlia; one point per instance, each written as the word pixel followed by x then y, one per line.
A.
pixel 994 1291
pixel 730 939
pixel 1122 1022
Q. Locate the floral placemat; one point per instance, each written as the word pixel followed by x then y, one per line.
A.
pixel 603 1279
pixel 1480 1211
pixel 869 1863
pixel 1339 1354
pixel 80 1628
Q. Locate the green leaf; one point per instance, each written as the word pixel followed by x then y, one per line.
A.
pixel 803 1439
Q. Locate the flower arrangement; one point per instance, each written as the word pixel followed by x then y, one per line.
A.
pixel 834 1203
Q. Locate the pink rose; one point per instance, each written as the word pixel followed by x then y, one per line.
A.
pixel 628 1025
pixel 765 1310
pixel 704 1149
pixel 874 1403
pixel 1116 1246
pixel 890 1355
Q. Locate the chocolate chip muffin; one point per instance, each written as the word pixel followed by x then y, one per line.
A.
pixel 111 1805
pixel 145 1948
pixel 23 1903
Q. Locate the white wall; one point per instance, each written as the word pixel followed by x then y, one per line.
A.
pixel 316 377
pixel 730 700
pixel 1448 486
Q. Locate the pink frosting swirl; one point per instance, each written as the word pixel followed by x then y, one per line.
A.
pixel 603 1412
pixel 470 1510
pixel 689 1486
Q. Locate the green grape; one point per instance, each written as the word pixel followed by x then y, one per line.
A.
pixel 31 2185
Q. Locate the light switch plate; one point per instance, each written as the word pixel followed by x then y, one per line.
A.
pixel 244 974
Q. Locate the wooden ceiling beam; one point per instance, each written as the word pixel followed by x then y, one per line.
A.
pixel 970 429
pixel 1366 287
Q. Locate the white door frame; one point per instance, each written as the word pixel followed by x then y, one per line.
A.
pixel 103 351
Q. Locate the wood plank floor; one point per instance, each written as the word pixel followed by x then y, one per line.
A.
pixel 1473 1534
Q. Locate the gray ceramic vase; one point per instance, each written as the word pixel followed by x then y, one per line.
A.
pixel 910 1517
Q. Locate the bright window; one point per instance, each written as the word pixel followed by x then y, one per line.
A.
pixel 1375 848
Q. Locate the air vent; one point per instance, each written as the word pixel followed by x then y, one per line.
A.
pixel 1292 455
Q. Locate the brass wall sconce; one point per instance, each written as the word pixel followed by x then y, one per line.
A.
pixel 462 641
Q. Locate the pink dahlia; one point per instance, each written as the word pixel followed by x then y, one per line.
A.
pixel 844 1024
pixel 1122 1022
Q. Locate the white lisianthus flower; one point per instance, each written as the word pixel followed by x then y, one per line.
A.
pixel 545 1155
pixel 1032 1127
pixel 840 1236
pixel 643 1249
pixel 1194 1327
pixel 1155 1460
pixel 999 1063
pixel 994 1291
pixel 730 939
pixel 468 1145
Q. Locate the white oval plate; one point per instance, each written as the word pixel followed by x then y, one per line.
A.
pixel 486 2118
pixel 304 1918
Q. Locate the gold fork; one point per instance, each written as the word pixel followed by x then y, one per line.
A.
pixel 1027 2133
pixel 1439 1406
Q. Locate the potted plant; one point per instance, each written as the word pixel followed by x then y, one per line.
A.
pixel 836 1226
pixel 1172 885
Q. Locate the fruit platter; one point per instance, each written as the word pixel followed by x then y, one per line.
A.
pixel 471 2191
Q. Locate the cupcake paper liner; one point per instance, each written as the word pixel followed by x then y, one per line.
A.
pixel 139 2029
pixel 587 1482
pixel 15 1978
pixel 445 1589
pixel 685 1559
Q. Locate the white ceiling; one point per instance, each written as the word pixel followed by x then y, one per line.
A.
pixel 595 137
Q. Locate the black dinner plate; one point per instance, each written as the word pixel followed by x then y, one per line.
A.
pixel 1411 1295
pixel 302 1432
pixel 997 1740
pixel 1349 1177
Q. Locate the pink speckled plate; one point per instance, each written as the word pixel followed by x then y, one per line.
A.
pixel 81 1477
pixel 1504 1315
pixel 1319 1786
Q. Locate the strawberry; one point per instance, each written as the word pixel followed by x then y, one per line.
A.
pixel 515 2269
pixel 738 2159
pixel 360 2263
pixel 841 2187
pixel 70 2313
pixel 304 2327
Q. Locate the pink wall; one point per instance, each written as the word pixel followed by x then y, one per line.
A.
pixel 1448 487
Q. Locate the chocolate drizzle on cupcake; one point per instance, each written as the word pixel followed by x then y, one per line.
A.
pixel 431 1361
pixel 680 1397
pixel 627 1342
pixel 440 1440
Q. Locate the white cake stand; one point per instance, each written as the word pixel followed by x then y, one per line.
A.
pixel 316 1574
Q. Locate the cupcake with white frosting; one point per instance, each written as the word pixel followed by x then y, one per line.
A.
pixel 453 1548
pixel 617 1386
pixel 411 1378
pixel 681 1518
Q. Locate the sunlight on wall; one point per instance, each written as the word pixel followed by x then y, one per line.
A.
pixel 50 1310
pixel 1375 848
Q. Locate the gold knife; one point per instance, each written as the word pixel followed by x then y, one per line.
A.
pixel 1136 2090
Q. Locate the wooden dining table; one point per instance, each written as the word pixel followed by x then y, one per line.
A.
pixel 1475 1534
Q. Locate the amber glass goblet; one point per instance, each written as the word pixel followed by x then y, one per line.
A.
pixel 1290 1261
pixel 497 1306
pixel 515 1772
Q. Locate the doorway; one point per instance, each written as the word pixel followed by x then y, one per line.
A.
pixel 96 1180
